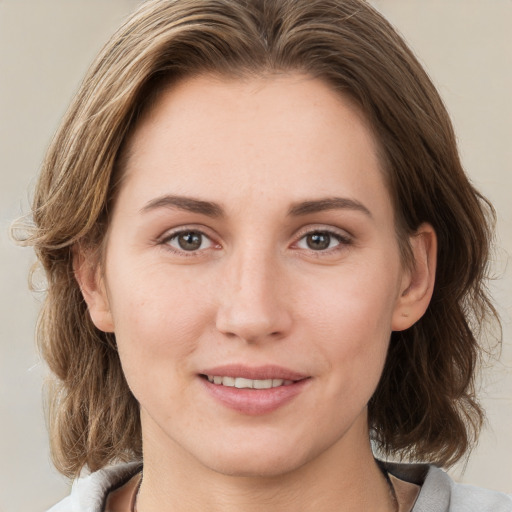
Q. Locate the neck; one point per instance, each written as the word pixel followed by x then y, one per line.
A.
pixel 344 478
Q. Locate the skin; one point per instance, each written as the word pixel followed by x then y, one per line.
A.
pixel 256 292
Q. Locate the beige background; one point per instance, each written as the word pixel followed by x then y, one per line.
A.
pixel 45 48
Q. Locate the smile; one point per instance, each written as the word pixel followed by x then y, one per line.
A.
pixel 243 383
pixel 253 391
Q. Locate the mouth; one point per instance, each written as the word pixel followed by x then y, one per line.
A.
pixel 244 383
pixel 253 390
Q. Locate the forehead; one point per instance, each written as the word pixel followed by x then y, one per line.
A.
pixel 293 133
pixel 212 101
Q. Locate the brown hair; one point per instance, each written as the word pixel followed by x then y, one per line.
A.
pixel 424 407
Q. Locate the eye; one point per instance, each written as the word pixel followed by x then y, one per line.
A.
pixel 189 241
pixel 321 241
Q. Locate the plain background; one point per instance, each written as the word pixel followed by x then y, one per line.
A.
pixel 46 47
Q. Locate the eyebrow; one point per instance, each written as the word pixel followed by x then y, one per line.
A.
pixel 212 209
pixel 185 203
pixel 329 203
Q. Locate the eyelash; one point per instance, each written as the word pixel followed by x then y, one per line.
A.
pixel 343 240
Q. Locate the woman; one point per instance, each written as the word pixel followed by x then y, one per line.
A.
pixel 262 253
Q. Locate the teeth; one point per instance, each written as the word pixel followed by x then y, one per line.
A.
pixel 266 384
pixel 242 383
pixel 228 381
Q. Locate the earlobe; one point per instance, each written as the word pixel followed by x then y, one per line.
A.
pixel 418 283
pixel 92 285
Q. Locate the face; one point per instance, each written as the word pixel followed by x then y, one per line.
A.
pixel 252 274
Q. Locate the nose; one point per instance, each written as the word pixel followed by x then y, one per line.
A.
pixel 253 305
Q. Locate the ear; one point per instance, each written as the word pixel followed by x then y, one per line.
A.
pixel 92 285
pixel 418 282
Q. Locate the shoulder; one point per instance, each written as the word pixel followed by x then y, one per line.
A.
pixel 467 498
pixel 439 493
pixel 89 492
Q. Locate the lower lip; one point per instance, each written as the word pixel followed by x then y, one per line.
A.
pixel 254 402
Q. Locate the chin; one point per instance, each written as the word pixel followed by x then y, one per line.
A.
pixel 262 468
pixel 256 460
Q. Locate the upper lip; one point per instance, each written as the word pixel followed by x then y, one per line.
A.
pixel 254 372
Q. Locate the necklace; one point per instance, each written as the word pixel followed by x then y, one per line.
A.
pixel 392 492
pixel 135 495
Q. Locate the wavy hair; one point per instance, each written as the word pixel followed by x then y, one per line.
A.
pixel 424 407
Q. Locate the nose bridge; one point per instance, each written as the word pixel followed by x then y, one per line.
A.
pixel 252 306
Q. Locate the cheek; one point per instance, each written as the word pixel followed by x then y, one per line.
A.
pixel 355 302
pixel 157 319
pixel 351 317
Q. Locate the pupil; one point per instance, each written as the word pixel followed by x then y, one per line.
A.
pixel 190 241
pixel 318 241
